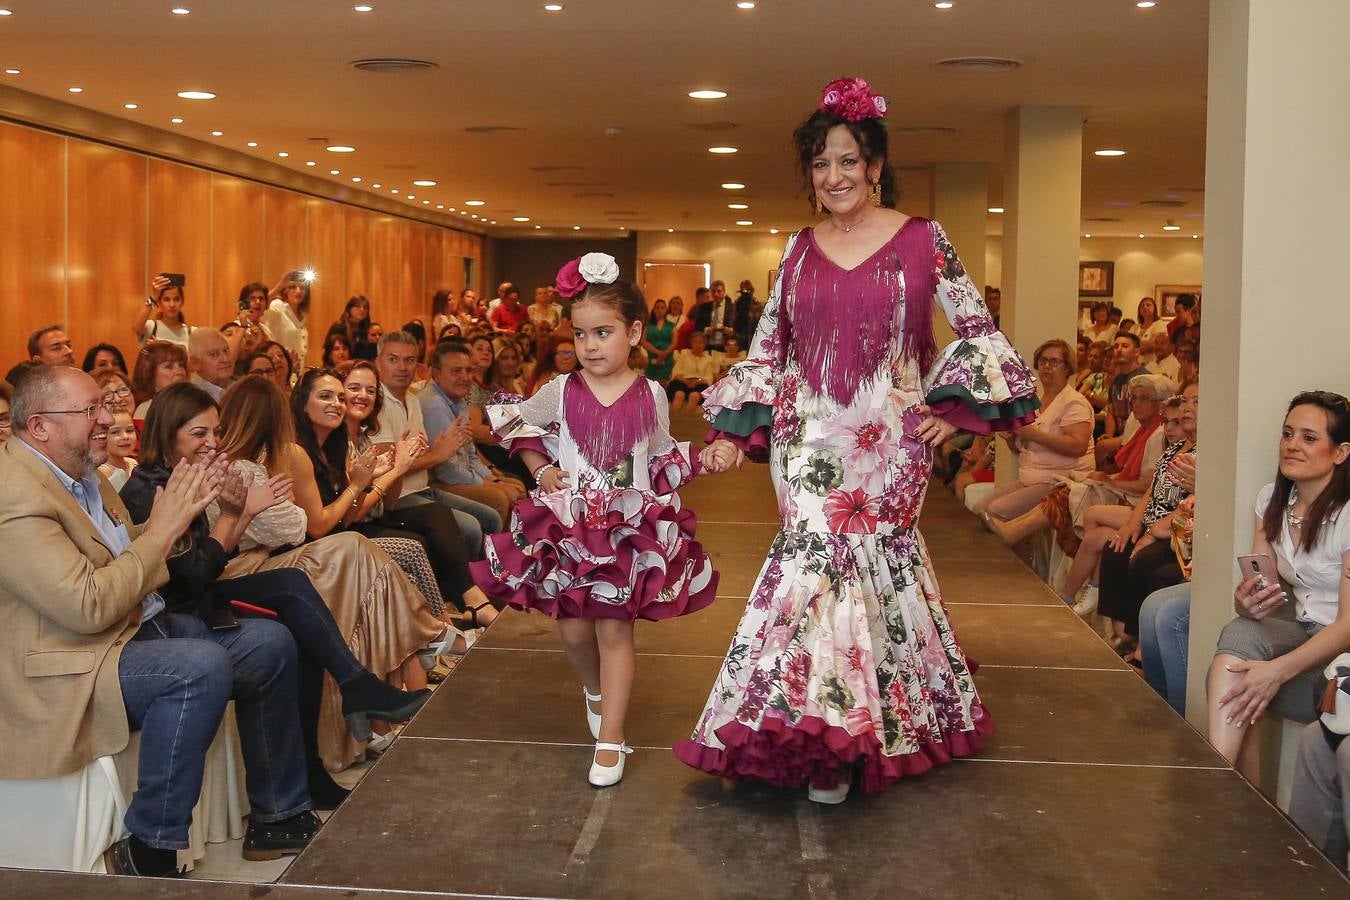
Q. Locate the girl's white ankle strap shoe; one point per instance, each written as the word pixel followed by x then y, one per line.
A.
pixel 604 776
pixel 592 718
pixel 830 796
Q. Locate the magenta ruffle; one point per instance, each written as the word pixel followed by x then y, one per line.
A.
pixel 965 418
pixel 557 575
pixel 754 445
pixel 819 755
pixel 527 443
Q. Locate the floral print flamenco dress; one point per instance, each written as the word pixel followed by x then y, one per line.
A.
pixel 845 661
pixel 616 544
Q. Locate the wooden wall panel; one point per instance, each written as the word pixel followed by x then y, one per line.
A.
pixel 32 222
pixel 284 245
pixel 107 228
pixel 327 256
pixel 412 272
pixel 357 227
pixel 237 241
pixel 434 266
pixel 383 279
pixel 180 233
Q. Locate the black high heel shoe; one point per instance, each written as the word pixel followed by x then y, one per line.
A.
pixel 366 697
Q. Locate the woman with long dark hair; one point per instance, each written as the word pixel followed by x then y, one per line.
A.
pixel 354 326
pixel 1265 659
pixel 844 666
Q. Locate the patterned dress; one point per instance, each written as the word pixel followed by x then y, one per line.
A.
pixel 845 660
pixel 616 544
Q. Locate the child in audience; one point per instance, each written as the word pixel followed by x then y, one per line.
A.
pixel 603 541
pixel 121 446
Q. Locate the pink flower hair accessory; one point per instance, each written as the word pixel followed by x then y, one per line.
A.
pixel 592 268
pixel 569 282
pixel 852 100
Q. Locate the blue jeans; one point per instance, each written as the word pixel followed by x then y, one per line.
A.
pixel 177 675
pixel 1164 641
pixel 475 519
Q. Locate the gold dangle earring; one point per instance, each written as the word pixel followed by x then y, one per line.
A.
pixel 874 196
pixel 815 205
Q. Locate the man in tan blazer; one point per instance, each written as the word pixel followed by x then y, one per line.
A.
pixel 88 651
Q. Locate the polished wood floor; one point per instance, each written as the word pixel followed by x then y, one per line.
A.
pixel 1092 786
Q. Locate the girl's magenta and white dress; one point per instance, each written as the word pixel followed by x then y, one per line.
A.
pixel 616 543
pixel 846 660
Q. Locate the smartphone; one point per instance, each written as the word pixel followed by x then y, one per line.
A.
pixel 177 279
pixel 1261 566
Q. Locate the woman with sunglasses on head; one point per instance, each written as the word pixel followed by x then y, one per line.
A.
pixel 183 425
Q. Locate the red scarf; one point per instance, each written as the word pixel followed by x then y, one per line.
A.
pixel 1130 456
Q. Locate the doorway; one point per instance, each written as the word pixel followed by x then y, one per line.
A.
pixel 666 278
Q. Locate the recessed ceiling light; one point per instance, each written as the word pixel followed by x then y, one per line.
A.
pixel 13 72
pixel 283 154
pixel 1171 228
pixel 733 186
pixel 773 231
pixel 475 203
pixel 494 221
pixel 6 12
pixel 744 222
pixel 576 227
pixel 1108 152
pixel 377 185
pixel 1146 4
pixel 721 149
pixel 252 143
pixel 180 11
pixel 310 162
pixel 131 106
pixel 1141 234
pixel 708 95
pixel 217 134
pixel 1087 235
pixel 474 216
pixel 440 206
pixel 1195 237
pixel 334 172
pixel 197 95
pixel 538 228
pixel 996 209
pixel 426 202
pixel 670 231
pixel 340 148
pixel 553 7
pixel 738 206
pixel 424 182
pixel 520 218
pixel 943 4
pixel 76 90
pixel 452 209
pixel 746 4
pixel 411 196
pixel 393 190
pixel 363 7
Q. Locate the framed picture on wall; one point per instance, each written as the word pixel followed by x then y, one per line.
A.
pixel 1096 278
pixel 1165 295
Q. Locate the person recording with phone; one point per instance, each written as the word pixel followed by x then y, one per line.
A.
pixel 160 318
pixel 285 316
pixel 1268 657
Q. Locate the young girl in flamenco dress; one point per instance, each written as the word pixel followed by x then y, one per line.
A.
pixel 603 541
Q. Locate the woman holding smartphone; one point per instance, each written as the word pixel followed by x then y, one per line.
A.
pixel 1265 657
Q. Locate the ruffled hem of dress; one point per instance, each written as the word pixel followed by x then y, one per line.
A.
pixel 652 555
pixel 747 427
pixel 747 382
pixel 959 407
pixel 988 377
pixel 813 753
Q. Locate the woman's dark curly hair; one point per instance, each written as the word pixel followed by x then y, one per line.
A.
pixel 809 140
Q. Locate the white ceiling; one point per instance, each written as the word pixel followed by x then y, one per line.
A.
pixel 282 71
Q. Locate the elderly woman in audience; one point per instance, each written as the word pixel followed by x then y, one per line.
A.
pixel 167 323
pixel 1266 658
pixel 1059 442
pixel 117 393
pixel 158 365
pixel 326 468
pixel 694 370
pixel 283 370
pixel 183 427
pixel 286 315
pixel 380 613
pixel 1149 395
pixel 544 313
pixel 104 356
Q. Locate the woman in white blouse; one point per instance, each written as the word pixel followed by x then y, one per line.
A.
pixel 1266 658
pixel 286 314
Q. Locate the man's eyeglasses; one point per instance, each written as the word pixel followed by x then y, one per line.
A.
pixel 89 412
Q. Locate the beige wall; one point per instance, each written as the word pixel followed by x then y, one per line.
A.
pixel 734 255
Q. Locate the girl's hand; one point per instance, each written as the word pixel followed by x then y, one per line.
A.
pixel 1254 599
pixel 1261 680
pixel 553 479
pixel 933 430
pixel 720 455
pixel 267 495
pixel 1121 539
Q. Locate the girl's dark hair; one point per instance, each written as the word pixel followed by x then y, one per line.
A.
pixel 809 140
pixel 173 408
pixel 1099 306
pixel 98 348
pixel 331 341
pixel 1333 496
pixel 356 333
pixel 651 319
pixel 622 296
pixel 441 302
pixel 372 423
pixel 330 457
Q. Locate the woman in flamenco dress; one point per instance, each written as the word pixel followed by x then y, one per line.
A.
pixel 845 665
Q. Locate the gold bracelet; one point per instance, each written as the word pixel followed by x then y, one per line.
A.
pixel 377 490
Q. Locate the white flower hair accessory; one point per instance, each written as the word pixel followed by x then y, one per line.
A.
pixel 599 268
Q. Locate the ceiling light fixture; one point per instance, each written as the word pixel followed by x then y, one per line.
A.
pixel 1087 235
pixel 217 134
pixel 426 202
pixel 393 190
pixel 180 11
pixel 1146 4
pixel 178 120
pixel 553 7
pixel 197 95
pixel 708 95
pixel 576 227
pixel 411 196
pixel 356 179
pixel 746 4
pixel 310 162
pixel 252 143
pixel 733 186
pixel 744 222
pixel 6 12
pixel 670 231
pixel 520 218
pixel 76 90
pixel 722 150
pixel 475 203
pixel 440 206
pixel 943 4
pixel 1108 152
pixel 1195 237
pixel 283 154
pixel 773 231
pixel 131 106
pixel 363 7
pixel 1171 226
pixel 738 206
pixel 1141 234
pixel 377 185
pixel 13 72
pixel 334 172
pixel 538 227
pixel 424 182
pixel 996 209
pixel 340 148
